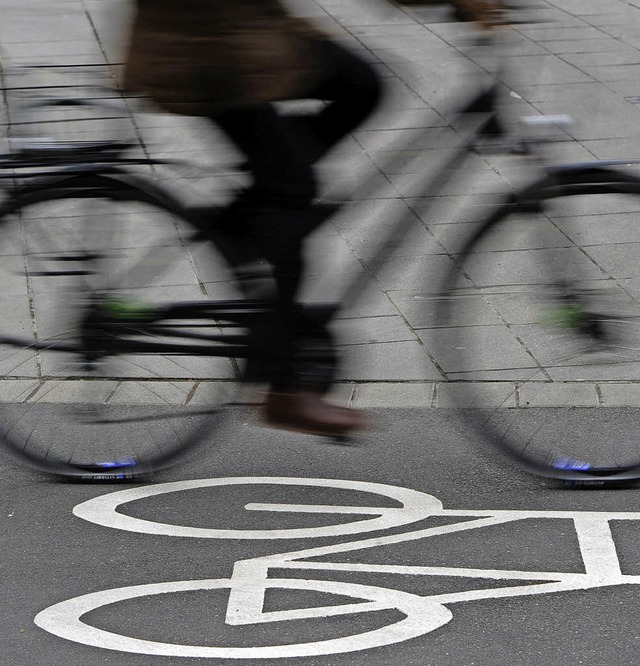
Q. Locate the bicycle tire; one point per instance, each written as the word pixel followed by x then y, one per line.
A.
pixel 119 417
pixel 540 323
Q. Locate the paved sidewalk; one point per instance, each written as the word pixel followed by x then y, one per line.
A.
pixel 583 60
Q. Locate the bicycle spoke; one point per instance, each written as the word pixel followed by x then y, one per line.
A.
pixel 539 304
pixel 75 401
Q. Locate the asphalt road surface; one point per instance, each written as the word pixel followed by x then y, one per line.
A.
pixel 410 547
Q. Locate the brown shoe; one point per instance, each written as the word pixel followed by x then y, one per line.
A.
pixel 305 411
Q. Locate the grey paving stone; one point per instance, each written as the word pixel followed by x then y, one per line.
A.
pixel 558 93
pixel 371 303
pixel 531 266
pixel 622 56
pixel 597 44
pixel 33 27
pixel 627 88
pixel 587 7
pixel 600 229
pixel 564 394
pixel 476 395
pixel 73 392
pixel 597 370
pixel 19 364
pixel 483 181
pixel 620 395
pixel 590 113
pixel 489 351
pixel 391 361
pixel 516 307
pixel 420 243
pixel 212 393
pixel 388 394
pixel 452 236
pixel 620 17
pixel 620 148
pixel 423 309
pixel 65 51
pixel 374 142
pixel 16 390
pixel 546 70
pixel 452 209
pixel 372 330
pixel 580 33
pixel 415 272
pixel 607 73
pixel 332 256
pixel 150 393
pixel 401 30
pixel 364 13
pixel 617 260
pixel 341 393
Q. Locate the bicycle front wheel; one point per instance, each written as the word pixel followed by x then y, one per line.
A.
pixel 540 330
pixel 84 408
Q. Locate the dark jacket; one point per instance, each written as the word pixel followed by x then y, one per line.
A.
pixel 201 57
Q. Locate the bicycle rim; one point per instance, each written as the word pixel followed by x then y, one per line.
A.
pixel 540 335
pixel 112 416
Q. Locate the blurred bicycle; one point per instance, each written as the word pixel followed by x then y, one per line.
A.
pixel 114 295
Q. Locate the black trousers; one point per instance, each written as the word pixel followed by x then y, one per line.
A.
pixel 281 151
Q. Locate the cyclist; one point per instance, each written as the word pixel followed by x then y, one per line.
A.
pixel 229 60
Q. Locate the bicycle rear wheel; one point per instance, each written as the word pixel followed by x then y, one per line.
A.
pixel 79 407
pixel 540 327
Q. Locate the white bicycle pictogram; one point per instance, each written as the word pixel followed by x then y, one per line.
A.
pixel 250 582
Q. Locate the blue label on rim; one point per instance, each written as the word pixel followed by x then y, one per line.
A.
pixel 570 463
pixel 124 462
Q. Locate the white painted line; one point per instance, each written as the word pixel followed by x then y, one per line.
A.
pixel 421 617
pixel 415 506
pixel 457 572
pixel 385 540
pixel 598 550
pixel 322 508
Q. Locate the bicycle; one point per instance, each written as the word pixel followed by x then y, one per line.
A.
pixel 78 368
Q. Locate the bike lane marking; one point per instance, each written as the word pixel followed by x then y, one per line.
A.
pixel 249 581
pixel 421 617
pixel 598 548
pixel 416 506
pixel 595 541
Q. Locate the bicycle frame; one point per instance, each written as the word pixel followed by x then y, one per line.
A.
pixel 114 334
pixel 85 171
pixel 82 169
pixel 483 104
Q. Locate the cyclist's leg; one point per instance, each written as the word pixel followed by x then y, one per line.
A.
pixel 278 210
pixel 280 161
pixel 275 217
pixel 281 149
pixel 351 89
pixel 263 221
